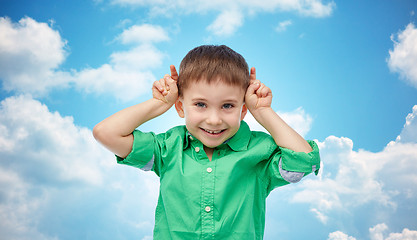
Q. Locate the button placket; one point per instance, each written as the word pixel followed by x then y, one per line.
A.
pixel 207 203
pixel 198 151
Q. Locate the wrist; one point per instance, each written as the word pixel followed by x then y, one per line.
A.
pixel 260 113
pixel 160 106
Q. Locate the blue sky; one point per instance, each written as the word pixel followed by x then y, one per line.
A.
pixel 342 72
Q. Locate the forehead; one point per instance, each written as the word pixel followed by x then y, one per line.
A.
pixel 214 91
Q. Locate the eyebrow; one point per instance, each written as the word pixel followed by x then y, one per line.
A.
pixel 231 100
pixel 199 99
pixel 205 100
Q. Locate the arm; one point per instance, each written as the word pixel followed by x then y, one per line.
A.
pixel 115 132
pixel 258 100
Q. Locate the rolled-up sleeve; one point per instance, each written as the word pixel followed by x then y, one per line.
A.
pixel 142 154
pixel 301 162
pixel 287 166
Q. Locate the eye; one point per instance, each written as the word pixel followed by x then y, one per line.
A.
pixel 227 106
pixel 200 105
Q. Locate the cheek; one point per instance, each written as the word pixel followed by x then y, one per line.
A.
pixel 234 118
pixel 191 116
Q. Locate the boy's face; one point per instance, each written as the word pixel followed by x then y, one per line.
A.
pixel 212 111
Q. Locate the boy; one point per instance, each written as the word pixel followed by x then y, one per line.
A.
pixel 215 174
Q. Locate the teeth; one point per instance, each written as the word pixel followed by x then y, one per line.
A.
pixel 212 132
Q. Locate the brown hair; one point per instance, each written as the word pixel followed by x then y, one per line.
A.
pixel 210 63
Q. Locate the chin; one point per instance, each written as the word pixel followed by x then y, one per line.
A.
pixel 211 145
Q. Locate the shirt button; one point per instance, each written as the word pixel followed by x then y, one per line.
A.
pixel 207 209
pixel 191 138
pixel 197 149
pixel 209 169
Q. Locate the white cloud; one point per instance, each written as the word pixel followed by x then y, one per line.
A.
pixel 144 33
pixel 39 149
pixel 282 26
pixel 316 8
pixel 15 208
pixel 406 234
pixel 232 13
pixel 126 77
pixel 339 236
pixel 142 57
pixel 106 80
pixel 409 131
pixel 51 143
pixel 377 233
pixel 54 175
pixel 31 52
pixel 226 23
pixel 128 74
pixel 403 58
pixel 298 119
pixel 350 179
pixel 323 218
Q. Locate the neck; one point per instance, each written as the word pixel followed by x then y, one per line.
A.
pixel 209 152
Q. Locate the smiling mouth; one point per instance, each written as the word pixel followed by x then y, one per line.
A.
pixel 213 132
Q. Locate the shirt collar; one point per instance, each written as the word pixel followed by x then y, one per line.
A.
pixel 188 138
pixel 239 141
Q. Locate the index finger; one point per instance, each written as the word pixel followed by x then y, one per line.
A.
pixel 252 76
pixel 174 74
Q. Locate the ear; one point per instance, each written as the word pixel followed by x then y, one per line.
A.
pixel 244 111
pixel 179 107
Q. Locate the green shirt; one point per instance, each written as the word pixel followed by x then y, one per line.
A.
pixel 219 199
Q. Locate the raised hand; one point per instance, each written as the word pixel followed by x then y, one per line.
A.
pixel 165 89
pixel 257 95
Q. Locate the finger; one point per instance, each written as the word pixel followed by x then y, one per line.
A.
pixel 168 81
pixel 253 87
pixel 158 86
pixel 174 74
pixel 156 92
pixel 171 84
pixel 252 76
pixel 261 90
pixel 164 86
pixel 264 90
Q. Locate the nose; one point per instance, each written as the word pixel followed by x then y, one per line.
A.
pixel 214 118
